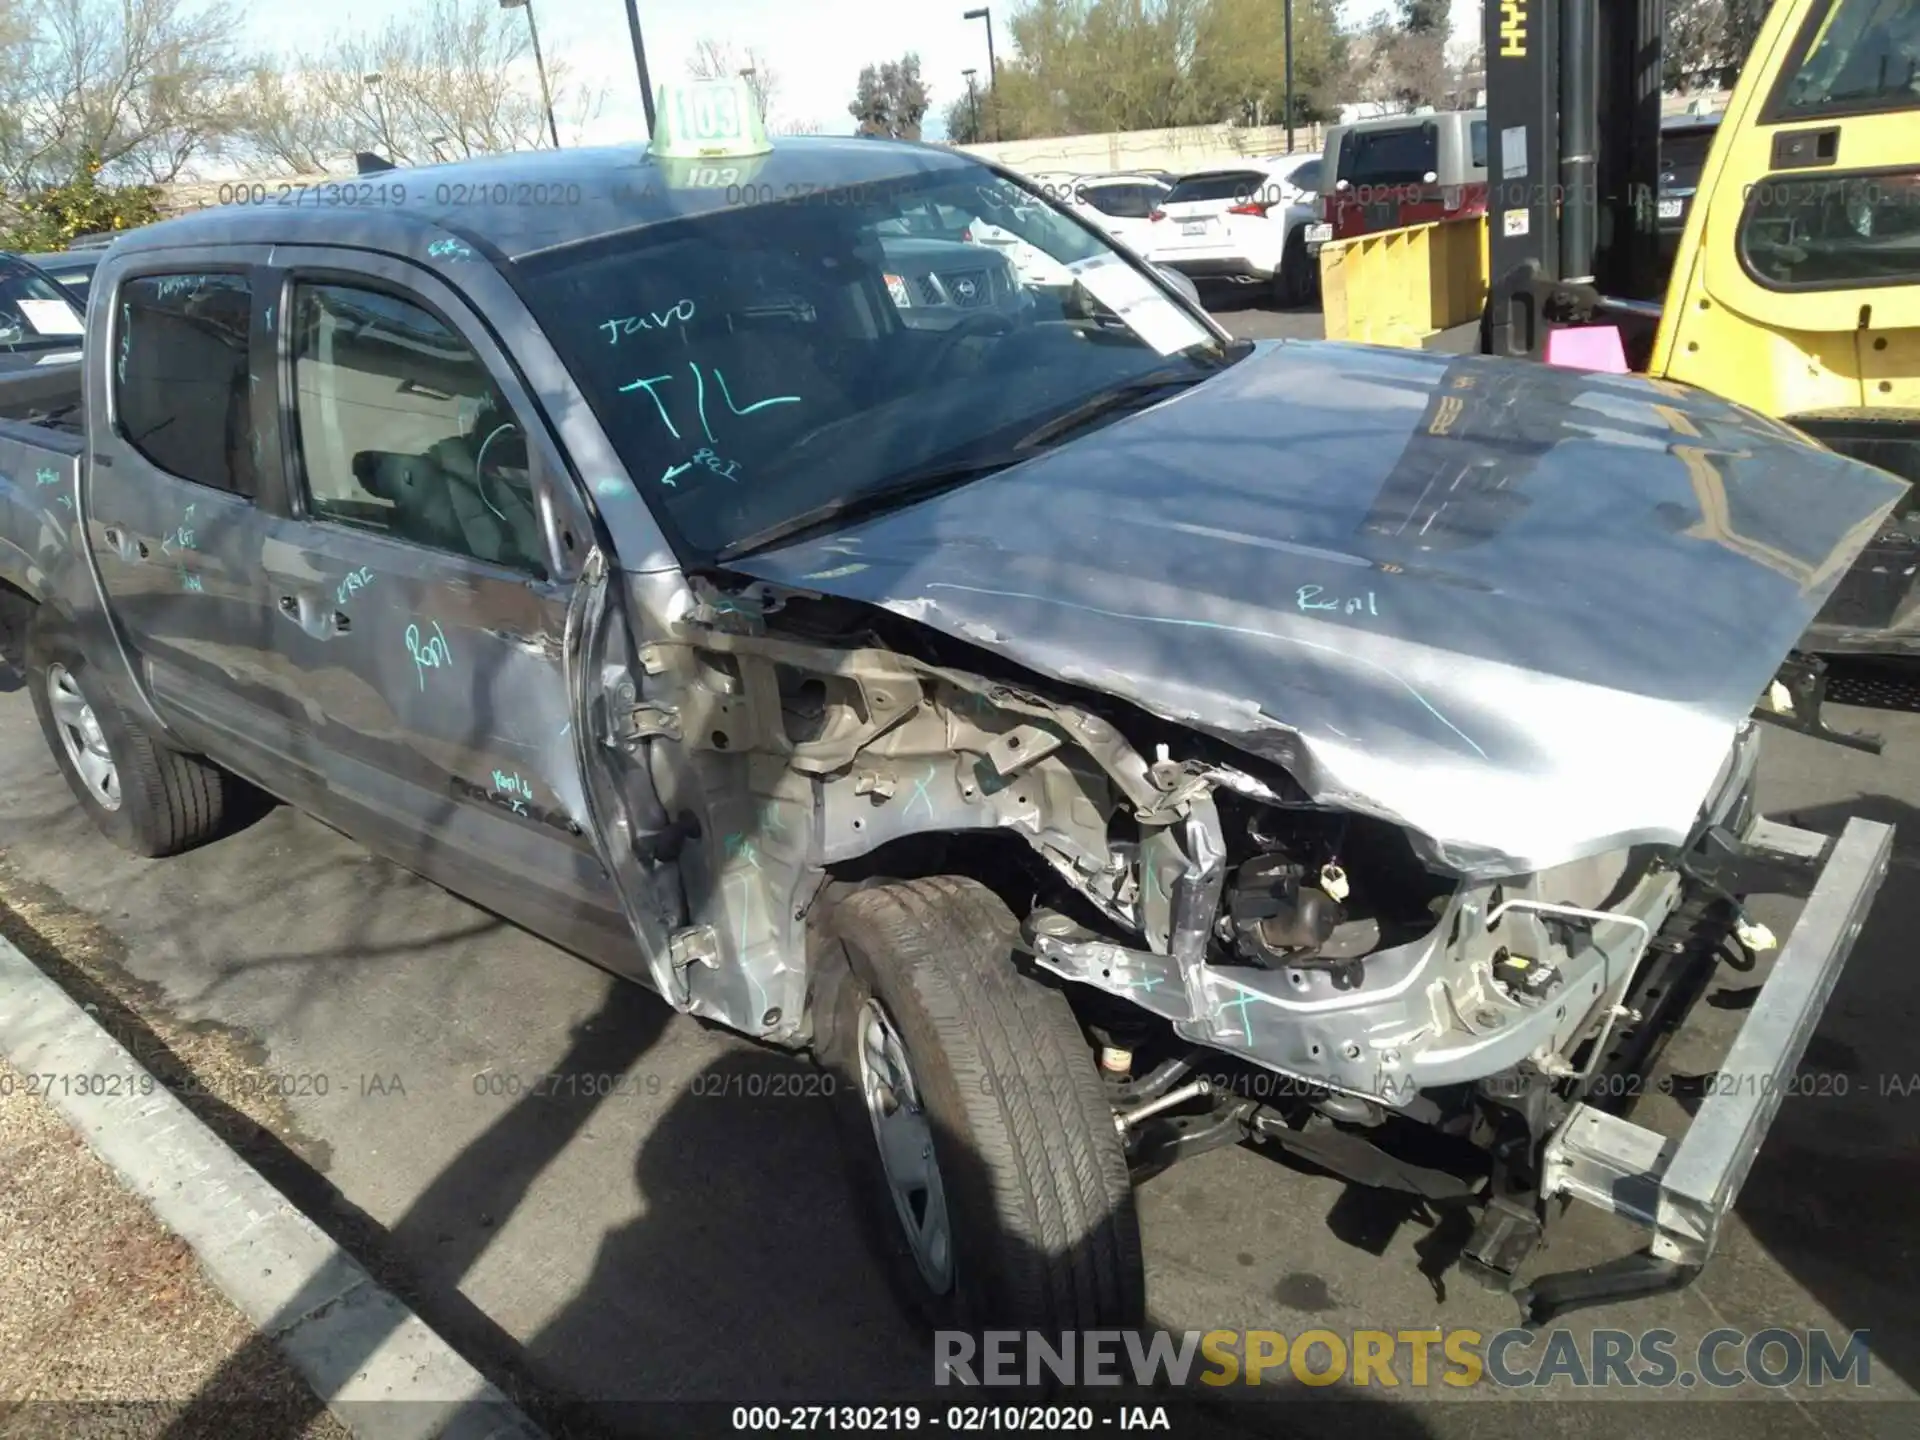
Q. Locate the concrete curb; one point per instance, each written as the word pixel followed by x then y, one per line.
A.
pixel 371 1359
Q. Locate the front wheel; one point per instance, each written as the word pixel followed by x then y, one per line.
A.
pixel 982 1141
pixel 147 798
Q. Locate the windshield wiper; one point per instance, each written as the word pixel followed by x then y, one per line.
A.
pixel 914 485
pixel 918 484
pixel 1106 402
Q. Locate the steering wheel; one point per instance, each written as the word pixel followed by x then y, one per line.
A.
pixel 982 322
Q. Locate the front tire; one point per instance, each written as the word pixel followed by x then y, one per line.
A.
pixel 142 796
pixel 982 1141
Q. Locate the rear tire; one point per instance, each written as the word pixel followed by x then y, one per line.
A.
pixel 987 1069
pixel 1293 282
pixel 143 796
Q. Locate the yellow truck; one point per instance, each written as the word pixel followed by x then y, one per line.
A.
pixel 1795 287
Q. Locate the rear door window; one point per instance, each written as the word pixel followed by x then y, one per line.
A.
pixel 1477 144
pixel 1307 177
pixel 180 391
pixel 1403 156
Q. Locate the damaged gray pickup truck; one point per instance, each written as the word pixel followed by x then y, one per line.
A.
pixel 1028 714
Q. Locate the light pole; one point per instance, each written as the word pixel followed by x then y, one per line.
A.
pixel 973 101
pixel 539 64
pixel 380 108
pixel 747 72
pixel 993 70
pixel 640 63
pixel 1288 4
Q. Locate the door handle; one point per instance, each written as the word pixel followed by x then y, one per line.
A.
pixel 321 624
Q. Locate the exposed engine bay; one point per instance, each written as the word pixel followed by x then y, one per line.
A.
pixel 1162 868
pixel 1201 900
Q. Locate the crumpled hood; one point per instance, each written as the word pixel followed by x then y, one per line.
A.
pixel 1520 610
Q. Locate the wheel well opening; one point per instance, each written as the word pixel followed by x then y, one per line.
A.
pixel 1004 863
pixel 17 609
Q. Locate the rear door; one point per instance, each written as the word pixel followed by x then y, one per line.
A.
pixel 425 599
pixel 174 521
pixel 1388 177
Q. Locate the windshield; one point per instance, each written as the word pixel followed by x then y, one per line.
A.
pixel 1683 155
pixel 756 362
pixel 1864 58
pixel 35 314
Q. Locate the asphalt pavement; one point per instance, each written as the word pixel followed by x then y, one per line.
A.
pixel 606 1202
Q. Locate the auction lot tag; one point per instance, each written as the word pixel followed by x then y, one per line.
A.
pixel 51 317
pixel 1141 307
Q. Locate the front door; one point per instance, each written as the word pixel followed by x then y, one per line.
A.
pixel 423 592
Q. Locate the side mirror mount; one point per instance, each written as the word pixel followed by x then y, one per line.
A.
pixel 1429 178
pixel 1342 185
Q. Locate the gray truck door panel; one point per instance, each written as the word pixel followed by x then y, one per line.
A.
pixel 420 605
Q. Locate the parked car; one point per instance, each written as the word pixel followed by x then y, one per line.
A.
pixel 73 269
pixel 1122 205
pixel 937 284
pixel 40 322
pixel 962 704
pixel 1031 267
pixel 1241 222
pixel 1401 170
pixel 1684 143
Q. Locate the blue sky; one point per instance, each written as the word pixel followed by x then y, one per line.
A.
pixel 815 46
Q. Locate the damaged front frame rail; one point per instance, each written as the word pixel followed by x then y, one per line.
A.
pixel 1682 1190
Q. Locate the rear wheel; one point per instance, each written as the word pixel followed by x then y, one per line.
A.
pixel 982 1141
pixel 1293 282
pixel 143 796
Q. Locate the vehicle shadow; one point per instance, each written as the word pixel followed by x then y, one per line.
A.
pixel 743 1279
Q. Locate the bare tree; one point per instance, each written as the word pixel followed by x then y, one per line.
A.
pixel 717 60
pixel 452 81
pixel 1401 68
pixel 138 87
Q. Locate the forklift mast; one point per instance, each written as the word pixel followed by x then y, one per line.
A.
pixel 1573 165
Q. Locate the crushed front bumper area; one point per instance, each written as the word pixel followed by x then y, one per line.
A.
pixel 1681 1190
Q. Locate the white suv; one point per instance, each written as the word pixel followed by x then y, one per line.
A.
pixel 1121 205
pixel 1242 222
